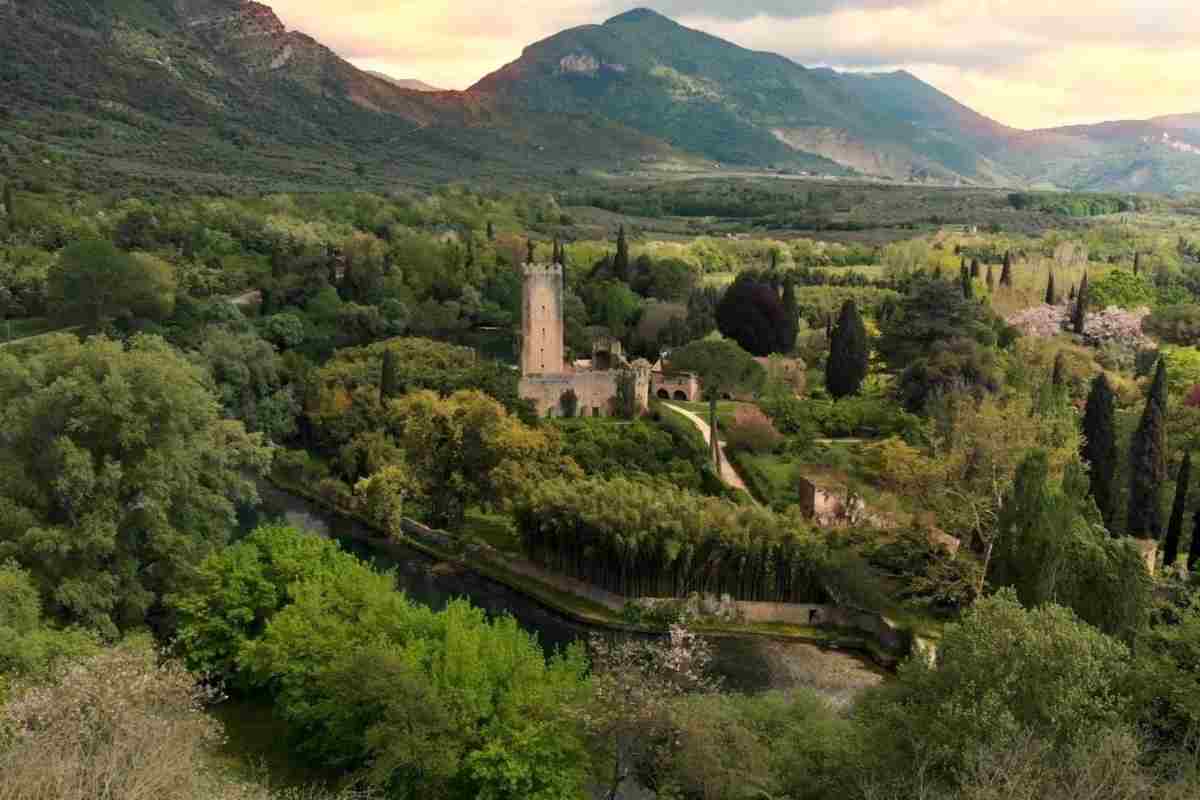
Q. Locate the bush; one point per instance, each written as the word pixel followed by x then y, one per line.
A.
pixel 957 365
pixel 1179 324
pixel 1122 289
pixel 859 417
pixel 752 432
pixel 117 725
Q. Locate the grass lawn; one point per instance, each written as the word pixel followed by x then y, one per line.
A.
pixel 726 410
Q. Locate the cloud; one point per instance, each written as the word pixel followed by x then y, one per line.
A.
pixel 1030 63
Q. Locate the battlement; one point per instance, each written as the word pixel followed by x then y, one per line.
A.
pixel 532 270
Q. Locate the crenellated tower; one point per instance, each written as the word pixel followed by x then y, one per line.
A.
pixel 542 351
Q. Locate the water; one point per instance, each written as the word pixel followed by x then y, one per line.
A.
pixel 748 664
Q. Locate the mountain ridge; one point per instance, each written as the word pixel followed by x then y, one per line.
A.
pixel 225 80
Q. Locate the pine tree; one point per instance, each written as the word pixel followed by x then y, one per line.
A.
pixel 389 378
pixel 1194 549
pixel 849 352
pixel 792 309
pixel 491 231
pixel 621 261
pixel 1175 527
pixel 1079 318
pixel 991 280
pixel 1051 298
pixel 1058 376
pixel 974 268
pixel 1100 445
pixel 1148 462
pixel 1006 272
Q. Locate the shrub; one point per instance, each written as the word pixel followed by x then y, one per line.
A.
pixel 1179 324
pixel 866 417
pixel 959 364
pixel 1122 289
pixel 752 432
pixel 117 725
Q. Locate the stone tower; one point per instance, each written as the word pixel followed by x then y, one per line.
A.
pixel 542 320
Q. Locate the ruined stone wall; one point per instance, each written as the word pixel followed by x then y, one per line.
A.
pixel 542 320
pixel 595 392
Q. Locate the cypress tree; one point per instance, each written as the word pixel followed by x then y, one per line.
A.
pixel 389 378
pixel 792 309
pixel 491 231
pixel 774 259
pixel 1071 293
pixel 1058 376
pixel 1137 263
pixel 1175 527
pixel 974 268
pixel 991 280
pixel 530 257
pixel 10 203
pixel 1006 272
pixel 1148 462
pixel 1051 299
pixel 1194 549
pixel 849 352
pixel 621 261
pixel 1100 446
pixel 1079 318
pixel 964 279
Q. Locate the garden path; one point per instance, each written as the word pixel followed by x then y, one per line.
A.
pixel 728 473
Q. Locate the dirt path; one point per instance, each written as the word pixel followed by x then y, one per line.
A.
pixel 728 473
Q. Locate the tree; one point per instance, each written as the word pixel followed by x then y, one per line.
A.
pixel 931 313
pixel 634 684
pixel 1051 296
pixel 1137 263
pixel 1058 376
pixel 530 255
pixel 1148 462
pixel 723 369
pixel 1006 272
pixel 1079 317
pixel 964 280
pixel 94 282
pixel 119 476
pixel 991 280
pixel 1100 446
pixel 620 266
pixel 1194 547
pixel 791 310
pixel 10 204
pixel 975 268
pixel 1175 526
pixel 752 315
pixel 491 231
pixel 849 354
pixel 389 378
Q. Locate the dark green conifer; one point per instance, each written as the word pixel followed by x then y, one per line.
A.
pixel 774 259
pixel 1137 263
pixel 849 353
pixel 1194 549
pixel 1148 462
pixel 470 260
pixel 974 268
pixel 10 202
pixel 1051 297
pixel 792 309
pixel 491 231
pixel 530 256
pixel 1058 376
pixel 1175 526
pixel 621 260
pixel 1006 272
pixel 1079 317
pixel 1100 445
pixel 389 378
pixel 991 280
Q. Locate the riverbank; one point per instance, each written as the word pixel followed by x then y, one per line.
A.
pixel 583 604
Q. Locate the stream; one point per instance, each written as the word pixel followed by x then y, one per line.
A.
pixel 749 664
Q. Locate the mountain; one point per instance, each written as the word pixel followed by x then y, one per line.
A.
pixel 217 95
pixel 403 83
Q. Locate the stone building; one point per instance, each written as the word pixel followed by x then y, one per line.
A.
pixel 587 387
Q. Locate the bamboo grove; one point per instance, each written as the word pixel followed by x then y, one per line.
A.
pixel 651 539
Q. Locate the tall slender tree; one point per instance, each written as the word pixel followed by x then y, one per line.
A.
pixel 1100 446
pixel 491 231
pixel 530 255
pixel 1175 526
pixel 791 309
pixel 621 260
pixel 991 280
pixel 849 353
pixel 1059 375
pixel 974 268
pixel 1148 462
pixel 964 279
pixel 389 377
pixel 1194 549
pixel 1006 272
pixel 10 203
pixel 1051 297
pixel 1137 263
pixel 1079 317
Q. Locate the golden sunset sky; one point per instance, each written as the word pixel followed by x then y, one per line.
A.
pixel 1026 63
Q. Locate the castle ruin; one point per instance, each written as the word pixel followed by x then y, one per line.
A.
pixel 586 387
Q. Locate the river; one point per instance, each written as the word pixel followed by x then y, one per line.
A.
pixel 747 664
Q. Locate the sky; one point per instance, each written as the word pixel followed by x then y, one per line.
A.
pixel 1026 63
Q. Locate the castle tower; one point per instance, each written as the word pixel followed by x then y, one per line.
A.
pixel 542 320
